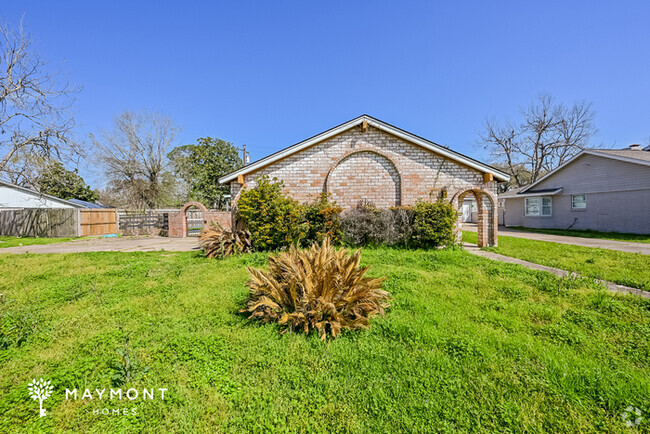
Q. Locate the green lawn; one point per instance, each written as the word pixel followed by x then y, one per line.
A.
pixel 630 269
pixel 30 241
pixel 637 238
pixel 468 345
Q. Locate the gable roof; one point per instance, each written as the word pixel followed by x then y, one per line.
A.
pixel 380 125
pixel 36 193
pixel 629 156
pixel 626 153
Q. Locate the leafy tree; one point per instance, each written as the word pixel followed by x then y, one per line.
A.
pixel 57 181
pixel 202 164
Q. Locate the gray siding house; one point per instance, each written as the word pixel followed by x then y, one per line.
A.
pixel 602 190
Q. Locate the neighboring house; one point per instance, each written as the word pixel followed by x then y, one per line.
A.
pixel 599 189
pixel 86 204
pixel 366 159
pixel 14 196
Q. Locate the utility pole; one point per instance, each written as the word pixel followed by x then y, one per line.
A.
pixel 246 158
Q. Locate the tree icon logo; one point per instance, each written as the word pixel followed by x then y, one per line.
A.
pixel 632 417
pixel 40 390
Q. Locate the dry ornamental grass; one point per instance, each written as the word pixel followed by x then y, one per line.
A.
pixel 319 288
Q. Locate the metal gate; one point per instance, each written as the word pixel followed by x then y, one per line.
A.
pixel 194 222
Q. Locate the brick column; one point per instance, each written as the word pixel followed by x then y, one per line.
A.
pixel 459 228
pixel 495 228
pixel 175 222
pixel 482 230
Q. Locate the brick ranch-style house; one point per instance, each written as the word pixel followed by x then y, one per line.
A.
pixel 367 159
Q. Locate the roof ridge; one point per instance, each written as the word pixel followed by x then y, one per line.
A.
pixel 384 126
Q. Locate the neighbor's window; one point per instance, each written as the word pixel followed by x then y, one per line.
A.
pixel 546 206
pixel 578 201
pixel 535 206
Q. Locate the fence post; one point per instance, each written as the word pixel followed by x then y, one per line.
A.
pixel 78 216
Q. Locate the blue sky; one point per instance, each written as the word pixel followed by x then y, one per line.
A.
pixel 271 73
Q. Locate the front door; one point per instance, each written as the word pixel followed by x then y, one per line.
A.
pixel 467 212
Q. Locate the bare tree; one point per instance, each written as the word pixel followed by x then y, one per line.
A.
pixel 548 135
pixel 134 155
pixel 35 121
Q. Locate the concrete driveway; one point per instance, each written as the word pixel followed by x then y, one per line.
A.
pixel 623 246
pixel 122 244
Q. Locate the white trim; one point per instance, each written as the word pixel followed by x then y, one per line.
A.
pixel 374 123
pixel 619 157
pixel 541 206
pixel 579 207
pixel 588 152
pixel 541 193
pixel 40 195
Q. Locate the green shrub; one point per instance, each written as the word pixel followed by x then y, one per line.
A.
pixel 323 220
pixel 274 220
pixel 435 224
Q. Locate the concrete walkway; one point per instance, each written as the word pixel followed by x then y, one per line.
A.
pixel 623 246
pixel 473 249
pixel 122 244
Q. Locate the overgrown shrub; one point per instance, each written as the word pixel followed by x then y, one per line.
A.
pixel 320 289
pixel 435 224
pixel 368 225
pixel 276 221
pixel 403 219
pixel 273 219
pixel 323 220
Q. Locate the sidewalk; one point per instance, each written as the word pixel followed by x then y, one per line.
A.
pixel 623 246
pixel 122 244
pixel 473 249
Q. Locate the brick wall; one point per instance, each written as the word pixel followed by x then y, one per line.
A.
pixel 373 165
pixel 177 228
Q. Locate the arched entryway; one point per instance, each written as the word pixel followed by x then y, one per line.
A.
pixel 487 216
pixel 193 218
pixel 364 175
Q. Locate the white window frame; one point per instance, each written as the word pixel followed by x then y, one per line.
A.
pixel 540 205
pixel 578 207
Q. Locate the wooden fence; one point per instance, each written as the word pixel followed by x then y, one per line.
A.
pixel 98 221
pixel 39 222
pixel 57 222
pixel 143 222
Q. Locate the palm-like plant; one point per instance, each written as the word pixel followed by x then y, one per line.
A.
pixel 320 288
pixel 218 242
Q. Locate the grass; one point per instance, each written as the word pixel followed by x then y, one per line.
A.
pixel 468 345
pixel 29 241
pixel 637 238
pixel 630 269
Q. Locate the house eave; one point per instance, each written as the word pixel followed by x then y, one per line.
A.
pixel 550 192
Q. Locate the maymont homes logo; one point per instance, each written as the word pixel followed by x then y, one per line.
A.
pixel 41 390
